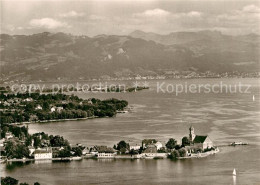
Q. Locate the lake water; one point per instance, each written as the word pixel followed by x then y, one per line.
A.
pixel 225 117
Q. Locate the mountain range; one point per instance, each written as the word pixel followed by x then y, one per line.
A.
pixel 49 56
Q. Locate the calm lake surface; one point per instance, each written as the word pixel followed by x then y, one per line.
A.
pixel 225 117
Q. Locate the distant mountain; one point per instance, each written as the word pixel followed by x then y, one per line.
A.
pixel 186 37
pixel 49 56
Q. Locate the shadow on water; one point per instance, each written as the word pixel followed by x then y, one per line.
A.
pixel 10 166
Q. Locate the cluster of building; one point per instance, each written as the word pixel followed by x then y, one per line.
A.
pixel 52 109
pixel 148 148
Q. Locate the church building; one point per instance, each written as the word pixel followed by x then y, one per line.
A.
pixel 202 142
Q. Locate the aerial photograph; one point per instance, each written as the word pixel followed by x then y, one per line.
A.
pixel 130 92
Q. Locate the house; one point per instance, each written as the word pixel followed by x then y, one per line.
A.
pixel 8 135
pixel 31 150
pixel 40 154
pixel 103 152
pixel 63 102
pixel 202 142
pixel 150 149
pixel 6 103
pixel 53 109
pixel 38 107
pixel 106 155
pixel 85 151
pixel 2 142
pixel 28 100
pixel 146 142
pixel 134 146
pixel 158 145
pixel 59 109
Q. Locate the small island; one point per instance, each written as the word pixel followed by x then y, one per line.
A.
pixel 18 145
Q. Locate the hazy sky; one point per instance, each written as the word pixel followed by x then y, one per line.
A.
pixel 122 17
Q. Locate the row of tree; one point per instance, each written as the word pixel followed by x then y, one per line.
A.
pixel 12 181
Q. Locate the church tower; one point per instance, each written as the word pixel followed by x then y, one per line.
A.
pixel 192 134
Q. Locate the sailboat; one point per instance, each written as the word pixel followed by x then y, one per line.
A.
pixel 253 97
pixel 234 172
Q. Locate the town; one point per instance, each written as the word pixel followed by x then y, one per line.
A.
pixel 166 74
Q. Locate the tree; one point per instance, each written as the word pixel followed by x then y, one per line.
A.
pixel 30 107
pixel 133 152
pixel 177 147
pixel 65 152
pixel 9 181
pixel 122 146
pixel 23 183
pixel 28 141
pixel 182 152
pixel 148 141
pixel 3 131
pixel 58 141
pixel 46 106
pixel 36 183
pixel 171 143
pixel 185 141
pixel 77 150
pixel 14 149
pixel 37 142
pixel 175 154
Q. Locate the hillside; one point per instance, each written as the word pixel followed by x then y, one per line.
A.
pixel 50 56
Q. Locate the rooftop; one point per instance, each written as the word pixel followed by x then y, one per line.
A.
pixel 199 139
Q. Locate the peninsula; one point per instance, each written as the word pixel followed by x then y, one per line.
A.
pixel 36 107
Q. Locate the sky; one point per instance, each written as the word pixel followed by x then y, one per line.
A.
pixel 115 17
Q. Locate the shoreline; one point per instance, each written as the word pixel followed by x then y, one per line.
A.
pixel 131 157
pixel 98 80
pixel 55 120
pixel 201 155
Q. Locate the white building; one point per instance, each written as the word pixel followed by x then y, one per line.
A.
pixel 59 109
pixel 106 155
pixel 38 107
pixel 40 154
pixel 32 150
pixel 8 135
pixel 134 146
pixel 158 145
pixel 28 100
pixel 53 109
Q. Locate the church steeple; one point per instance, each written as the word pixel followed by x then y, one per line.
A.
pixel 192 134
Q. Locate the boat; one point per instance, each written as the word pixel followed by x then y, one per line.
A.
pixel 122 111
pixel 234 172
pixel 238 143
pixel 253 97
